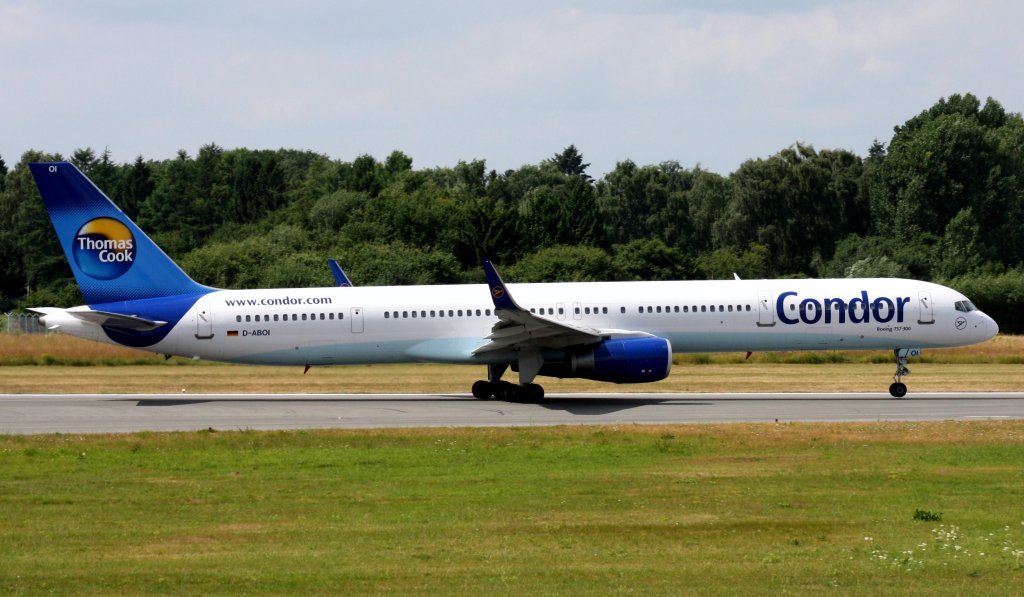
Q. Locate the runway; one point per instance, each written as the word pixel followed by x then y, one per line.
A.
pixel 112 413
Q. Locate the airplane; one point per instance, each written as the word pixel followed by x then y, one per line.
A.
pixel 619 332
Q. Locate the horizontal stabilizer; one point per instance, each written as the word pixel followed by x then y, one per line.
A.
pixel 116 320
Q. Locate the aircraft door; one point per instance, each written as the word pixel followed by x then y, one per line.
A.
pixel 357 320
pixel 577 311
pixel 765 313
pixel 924 301
pixel 561 311
pixel 204 320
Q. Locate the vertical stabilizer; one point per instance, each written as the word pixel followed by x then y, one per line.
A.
pixel 111 258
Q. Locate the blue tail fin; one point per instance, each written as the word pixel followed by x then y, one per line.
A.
pixel 111 258
pixel 340 279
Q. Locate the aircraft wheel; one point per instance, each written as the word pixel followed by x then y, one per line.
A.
pixel 533 392
pixel 898 390
pixel 506 391
pixel 482 389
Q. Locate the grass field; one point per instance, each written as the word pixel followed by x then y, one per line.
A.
pixel 723 509
pixel 60 364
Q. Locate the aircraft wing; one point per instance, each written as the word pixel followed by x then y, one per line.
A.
pixel 519 329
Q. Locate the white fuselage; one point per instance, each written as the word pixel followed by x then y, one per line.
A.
pixel 326 326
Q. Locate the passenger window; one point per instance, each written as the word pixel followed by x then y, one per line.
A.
pixel 459 312
pixel 604 310
pixel 532 310
pixel 295 317
pixel 586 310
pixel 650 309
pixel 641 309
pixel 488 312
pixel 387 315
pixel 576 310
pixel 303 317
pixel 658 309
pixel 561 311
pixel 686 309
pixel 341 316
pixel 622 309
pixel 676 308
pixel 238 318
pixel 405 315
pixel 248 318
pixel 322 318
pixel 703 308
pixel 451 313
pixel 730 308
pixel 275 316
pixel 257 318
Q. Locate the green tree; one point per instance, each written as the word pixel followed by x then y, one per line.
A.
pixel 723 263
pixel 956 155
pixel 135 186
pixel 564 264
pixel 570 163
pixel 646 202
pixel 797 203
pixel 31 257
pixel 652 259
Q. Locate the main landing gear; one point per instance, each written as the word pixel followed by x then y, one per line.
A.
pixel 493 387
pixel 898 389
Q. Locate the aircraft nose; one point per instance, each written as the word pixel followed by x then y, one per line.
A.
pixel 991 327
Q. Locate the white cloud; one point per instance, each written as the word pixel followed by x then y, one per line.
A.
pixel 509 83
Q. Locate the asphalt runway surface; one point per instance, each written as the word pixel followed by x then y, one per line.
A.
pixel 112 413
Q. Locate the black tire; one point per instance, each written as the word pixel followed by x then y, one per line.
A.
pixel 506 391
pixel 533 392
pixel 482 389
pixel 898 390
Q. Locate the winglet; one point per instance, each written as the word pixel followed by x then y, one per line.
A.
pixel 340 279
pixel 499 292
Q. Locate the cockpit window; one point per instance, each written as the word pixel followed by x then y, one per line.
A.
pixel 965 306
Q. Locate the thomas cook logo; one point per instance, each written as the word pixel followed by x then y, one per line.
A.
pixel 104 248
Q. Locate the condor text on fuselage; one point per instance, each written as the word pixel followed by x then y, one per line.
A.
pixel 859 309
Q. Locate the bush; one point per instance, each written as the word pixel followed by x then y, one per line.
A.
pixel 927 515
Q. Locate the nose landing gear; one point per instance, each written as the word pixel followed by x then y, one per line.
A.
pixel 898 389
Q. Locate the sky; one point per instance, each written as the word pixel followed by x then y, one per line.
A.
pixel 702 83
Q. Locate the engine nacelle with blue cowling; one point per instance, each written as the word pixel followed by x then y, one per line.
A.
pixel 619 360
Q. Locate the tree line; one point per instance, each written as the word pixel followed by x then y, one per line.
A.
pixel 942 200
